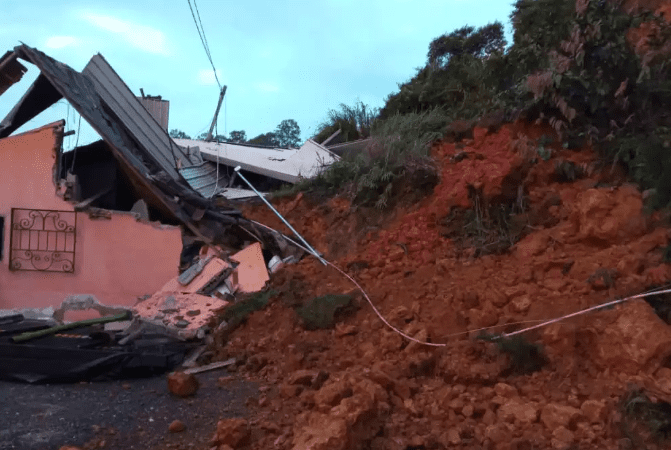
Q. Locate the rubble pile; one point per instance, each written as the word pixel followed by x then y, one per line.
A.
pixel 359 384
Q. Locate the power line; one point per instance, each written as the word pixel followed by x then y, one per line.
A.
pixel 203 38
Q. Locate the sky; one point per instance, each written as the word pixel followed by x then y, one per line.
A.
pixel 290 59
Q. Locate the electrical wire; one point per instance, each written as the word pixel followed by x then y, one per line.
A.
pixel 203 38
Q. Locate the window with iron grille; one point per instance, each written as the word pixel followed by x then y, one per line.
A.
pixel 42 240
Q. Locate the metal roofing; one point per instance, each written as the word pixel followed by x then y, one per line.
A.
pixel 288 165
pixel 116 94
pixel 203 179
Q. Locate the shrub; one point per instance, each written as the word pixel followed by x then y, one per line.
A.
pixel 321 312
pixel 399 146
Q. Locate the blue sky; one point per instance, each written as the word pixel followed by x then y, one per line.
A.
pixel 290 59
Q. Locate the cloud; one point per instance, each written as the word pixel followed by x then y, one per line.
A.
pixel 139 36
pixel 57 42
pixel 267 87
pixel 206 77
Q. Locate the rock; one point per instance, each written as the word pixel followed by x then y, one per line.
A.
pixel 562 438
pixel 594 410
pixel 176 426
pixel 521 304
pixel 467 411
pixel 555 415
pixel 453 436
pixel 322 433
pixel 349 410
pixel 498 434
pixel 181 323
pixel 193 312
pixel 636 341
pixel 231 432
pixel 517 410
pixel 183 384
pixel 505 390
pixel 613 217
pixel 69 447
pixel 310 378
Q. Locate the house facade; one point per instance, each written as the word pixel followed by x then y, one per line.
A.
pixel 51 248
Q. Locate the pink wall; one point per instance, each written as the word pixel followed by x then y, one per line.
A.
pixel 116 259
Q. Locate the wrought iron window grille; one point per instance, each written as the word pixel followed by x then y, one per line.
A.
pixel 43 240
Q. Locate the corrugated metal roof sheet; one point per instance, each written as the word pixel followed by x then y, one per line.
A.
pixel 116 94
pixel 203 178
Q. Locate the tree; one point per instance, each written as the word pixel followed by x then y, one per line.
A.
pixel 269 139
pixel 238 136
pixel 467 40
pixel 217 138
pixel 288 133
pixel 178 134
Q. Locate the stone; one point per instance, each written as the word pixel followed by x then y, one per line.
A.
pixel 517 410
pixel 302 377
pixel 453 436
pixel 231 432
pixel 181 323
pixel 637 340
pixel 562 439
pixel 594 410
pixel 498 434
pixel 193 312
pixel 176 426
pixel 183 384
pixel 555 415
pixel 467 411
pixel 505 390
pixel 521 304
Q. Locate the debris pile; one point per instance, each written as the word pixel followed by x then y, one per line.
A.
pixel 571 244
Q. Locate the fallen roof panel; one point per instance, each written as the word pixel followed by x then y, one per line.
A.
pixel 287 165
pixel 135 117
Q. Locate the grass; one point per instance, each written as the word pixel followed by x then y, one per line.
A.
pixel 322 312
pixel 238 312
pixel 524 357
pixel 655 416
pixel 399 146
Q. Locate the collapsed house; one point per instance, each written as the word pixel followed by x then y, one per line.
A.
pixel 112 218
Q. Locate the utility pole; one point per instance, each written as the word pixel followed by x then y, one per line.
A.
pixel 216 114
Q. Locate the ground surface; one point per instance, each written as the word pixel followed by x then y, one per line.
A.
pixel 131 414
pixel 438 270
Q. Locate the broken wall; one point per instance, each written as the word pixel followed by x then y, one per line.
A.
pixel 57 252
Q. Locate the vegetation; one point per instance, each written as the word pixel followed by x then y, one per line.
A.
pixel 571 64
pixel 237 313
pixel 322 312
pixel 399 147
pixel 354 122
pixel 523 356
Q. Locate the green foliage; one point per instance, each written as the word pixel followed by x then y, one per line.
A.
pixel 354 122
pixel 399 146
pixel 321 312
pixel 237 136
pixel 637 407
pixel 461 75
pixel 217 137
pixel 178 134
pixel 288 134
pixel 237 313
pixel 524 357
pixel 268 139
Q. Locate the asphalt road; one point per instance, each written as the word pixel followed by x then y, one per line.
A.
pixel 128 414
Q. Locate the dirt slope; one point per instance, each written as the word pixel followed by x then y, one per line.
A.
pixel 361 385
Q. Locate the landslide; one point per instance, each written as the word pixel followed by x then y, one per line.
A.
pixel 546 237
